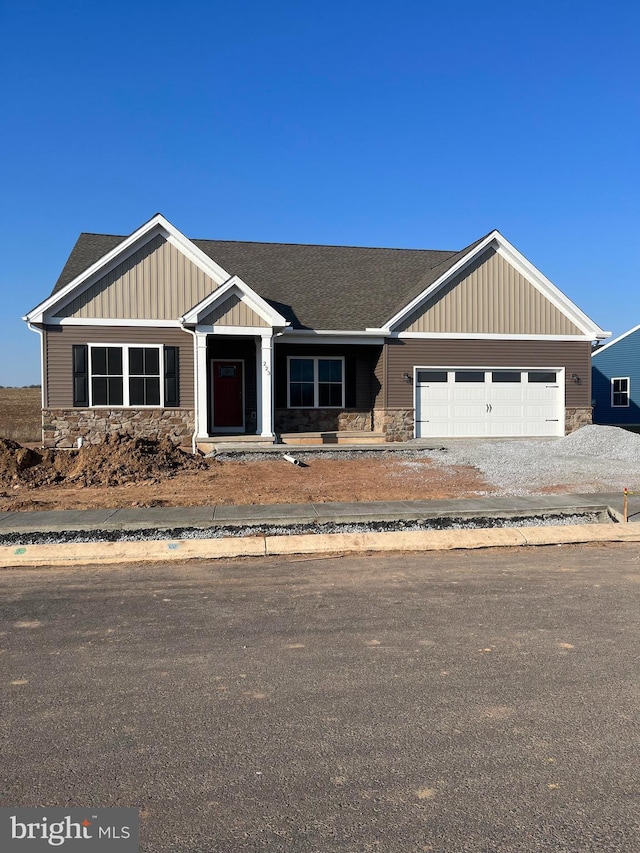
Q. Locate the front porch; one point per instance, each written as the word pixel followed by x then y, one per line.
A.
pixel 246 387
pixel 308 440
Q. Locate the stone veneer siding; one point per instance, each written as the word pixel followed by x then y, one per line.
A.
pixel 396 424
pixel 576 417
pixel 322 420
pixel 63 427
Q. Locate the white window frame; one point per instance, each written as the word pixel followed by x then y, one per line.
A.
pixel 627 392
pixel 125 375
pixel 315 359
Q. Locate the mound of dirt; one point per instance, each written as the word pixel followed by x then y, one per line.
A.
pixel 119 459
pixel 15 459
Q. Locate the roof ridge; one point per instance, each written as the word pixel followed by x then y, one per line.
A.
pixel 322 245
pixel 102 234
pixel 284 243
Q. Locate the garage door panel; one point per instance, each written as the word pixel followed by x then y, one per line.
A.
pixel 503 410
pixel 540 411
pixel 468 390
pixel 506 393
pixel 439 412
pixel 535 392
pixel 470 429
pixel 431 429
pixel 507 429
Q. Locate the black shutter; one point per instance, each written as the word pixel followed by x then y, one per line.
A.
pixel 171 389
pixel 80 375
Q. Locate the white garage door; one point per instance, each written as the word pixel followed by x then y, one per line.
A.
pixel 468 402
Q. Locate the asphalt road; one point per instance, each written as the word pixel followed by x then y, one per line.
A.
pixel 484 701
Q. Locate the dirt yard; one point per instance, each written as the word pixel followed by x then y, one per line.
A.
pixel 124 472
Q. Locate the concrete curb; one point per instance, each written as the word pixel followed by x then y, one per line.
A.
pixel 88 553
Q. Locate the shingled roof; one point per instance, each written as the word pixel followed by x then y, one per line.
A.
pixel 314 287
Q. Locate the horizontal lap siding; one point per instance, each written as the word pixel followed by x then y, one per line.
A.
pixel 621 360
pixel 403 355
pixel 59 341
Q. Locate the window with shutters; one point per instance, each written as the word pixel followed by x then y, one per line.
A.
pixel 128 375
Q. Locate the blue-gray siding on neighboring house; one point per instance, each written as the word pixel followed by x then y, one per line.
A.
pixel 619 359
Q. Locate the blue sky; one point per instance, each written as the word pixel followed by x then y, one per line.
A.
pixel 406 124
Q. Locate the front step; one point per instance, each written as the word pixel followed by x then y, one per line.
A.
pixel 212 443
pixel 330 437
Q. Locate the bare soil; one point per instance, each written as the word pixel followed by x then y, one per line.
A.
pixel 126 472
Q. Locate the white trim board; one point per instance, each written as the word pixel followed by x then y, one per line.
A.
pixel 234 331
pixel 89 321
pixel 485 336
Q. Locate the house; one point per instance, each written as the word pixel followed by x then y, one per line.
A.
pixel 616 381
pixel 159 335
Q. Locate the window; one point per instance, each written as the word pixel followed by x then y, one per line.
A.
pixel 620 392
pixel 144 376
pixel 106 376
pixel 432 376
pixel 316 383
pixel 543 376
pixel 506 376
pixel 469 375
pixel 126 375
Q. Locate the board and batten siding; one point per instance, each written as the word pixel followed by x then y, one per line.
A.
pixel 403 355
pixel 234 312
pixel 158 282
pixel 59 340
pixel 490 297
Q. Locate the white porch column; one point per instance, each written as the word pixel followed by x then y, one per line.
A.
pixel 202 396
pixel 265 385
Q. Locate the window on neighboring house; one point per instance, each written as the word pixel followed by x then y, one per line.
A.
pixel 126 375
pixel 316 383
pixel 620 391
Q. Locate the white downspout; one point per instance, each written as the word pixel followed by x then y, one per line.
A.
pixel 194 446
pixel 42 376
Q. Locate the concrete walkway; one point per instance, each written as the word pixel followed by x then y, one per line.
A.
pixel 149 518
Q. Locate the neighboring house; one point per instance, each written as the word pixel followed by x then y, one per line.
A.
pixel 616 381
pixel 155 334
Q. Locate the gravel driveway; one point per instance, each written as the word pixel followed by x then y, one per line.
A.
pixel 592 459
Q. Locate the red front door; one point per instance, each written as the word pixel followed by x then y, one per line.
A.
pixel 228 405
